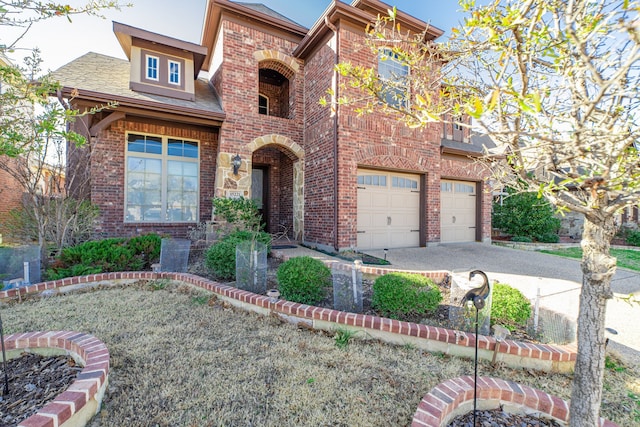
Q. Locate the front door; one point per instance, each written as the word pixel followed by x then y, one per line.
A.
pixel 260 192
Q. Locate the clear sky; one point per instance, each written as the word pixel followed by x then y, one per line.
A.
pixel 60 41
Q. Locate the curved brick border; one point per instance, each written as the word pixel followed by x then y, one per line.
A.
pixel 81 401
pixel 455 397
pixel 512 353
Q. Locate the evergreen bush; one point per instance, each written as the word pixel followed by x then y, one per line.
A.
pixel 509 307
pixel 221 256
pixel 633 238
pixel 304 280
pixel 397 294
pixel 526 215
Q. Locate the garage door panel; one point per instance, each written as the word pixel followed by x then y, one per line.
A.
pixel 387 213
pixel 458 211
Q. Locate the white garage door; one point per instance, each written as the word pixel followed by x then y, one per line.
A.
pixel 388 210
pixel 458 211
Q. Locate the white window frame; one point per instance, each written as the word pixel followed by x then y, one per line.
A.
pixel 179 72
pixel 149 68
pixel 164 157
pixel 391 76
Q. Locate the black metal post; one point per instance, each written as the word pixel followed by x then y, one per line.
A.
pixel 5 390
pixel 475 371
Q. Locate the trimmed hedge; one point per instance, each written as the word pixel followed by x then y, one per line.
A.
pixel 398 294
pixel 304 280
pixel 221 256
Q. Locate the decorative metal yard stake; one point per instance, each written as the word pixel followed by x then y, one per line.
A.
pixel 5 390
pixel 478 297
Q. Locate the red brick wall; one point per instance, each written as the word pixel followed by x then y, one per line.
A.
pixel 239 75
pixel 10 194
pixel 319 219
pixel 108 174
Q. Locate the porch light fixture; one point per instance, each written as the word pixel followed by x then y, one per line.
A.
pixel 236 162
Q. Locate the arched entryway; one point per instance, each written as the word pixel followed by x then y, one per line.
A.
pixel 277 183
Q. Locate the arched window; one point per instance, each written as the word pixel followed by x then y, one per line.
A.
pixel 263 104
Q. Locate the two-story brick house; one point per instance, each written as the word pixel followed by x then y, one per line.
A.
pixel 329 177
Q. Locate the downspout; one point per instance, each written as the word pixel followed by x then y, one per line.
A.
pixel 335 132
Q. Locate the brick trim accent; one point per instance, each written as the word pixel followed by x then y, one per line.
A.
pixel 560 358
pixel 276 55
pixel 454 397
pixel 89 386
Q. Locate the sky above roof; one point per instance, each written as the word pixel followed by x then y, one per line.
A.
pixel 61 42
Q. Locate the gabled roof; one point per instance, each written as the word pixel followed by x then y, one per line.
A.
pixel 362 12
pixel 125 34
pixel 255 13
pixel 259 7
pixel 100 78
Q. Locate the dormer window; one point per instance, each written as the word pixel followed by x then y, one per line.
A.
pixel 152 67
pixel 263 105
pixel 174 72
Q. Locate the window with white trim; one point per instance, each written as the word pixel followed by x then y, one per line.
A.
pixel 263 104
pixel 152 67
pixel 174 73
pixel 394 76
pixel 162 179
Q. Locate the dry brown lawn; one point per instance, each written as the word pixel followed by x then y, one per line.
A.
pixel 179 357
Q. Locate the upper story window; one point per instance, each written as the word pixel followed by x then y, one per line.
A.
pixel 174 72
pixel 263 105
pixel 152 67
pixel 162 176
pixel 394 77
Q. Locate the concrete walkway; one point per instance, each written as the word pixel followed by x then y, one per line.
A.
pixel 556 279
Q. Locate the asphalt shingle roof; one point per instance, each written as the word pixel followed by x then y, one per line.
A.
pixel 110 76
pixel 259 7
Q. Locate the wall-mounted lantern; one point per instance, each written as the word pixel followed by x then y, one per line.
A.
pixel 236 162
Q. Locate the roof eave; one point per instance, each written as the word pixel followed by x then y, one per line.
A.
pixel 215 118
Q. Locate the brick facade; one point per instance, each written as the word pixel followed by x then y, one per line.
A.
pixel 11 192
pixel 310 153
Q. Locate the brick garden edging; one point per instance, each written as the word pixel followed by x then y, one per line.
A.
pixel 82 399
pixel 454 397
pixel 544 357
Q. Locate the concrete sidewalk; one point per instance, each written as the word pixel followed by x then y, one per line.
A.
pixel 556 279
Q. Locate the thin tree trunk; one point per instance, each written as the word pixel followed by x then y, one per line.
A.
pixel 598 268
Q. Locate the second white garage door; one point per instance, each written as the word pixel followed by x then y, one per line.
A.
pixel 458 211
pixel 388 210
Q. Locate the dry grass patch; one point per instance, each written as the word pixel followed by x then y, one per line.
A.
pixel 181 358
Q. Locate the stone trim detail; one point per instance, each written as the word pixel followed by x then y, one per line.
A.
pixel 454 397
pixel 545 357
pixel 296 151
pixel 276 55
pixel 82 400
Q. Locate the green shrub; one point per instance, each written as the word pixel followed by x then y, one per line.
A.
pixel 524 214
pixel 522 239
pixel 239 213
pixel 397 294
pixel 633 238
pixel 221 256
pixel 304 280
pixel 107 255
pixel 548 238
pixel 509 307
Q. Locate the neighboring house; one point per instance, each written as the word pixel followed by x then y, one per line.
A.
pixel 332 179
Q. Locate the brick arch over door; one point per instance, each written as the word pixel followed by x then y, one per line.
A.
pixel 296 153
pixel 390 157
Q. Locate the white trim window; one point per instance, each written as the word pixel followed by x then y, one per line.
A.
pixel 153 63
pixel 162 179
pixel 263 104
pixel 174 73
pixel 394 76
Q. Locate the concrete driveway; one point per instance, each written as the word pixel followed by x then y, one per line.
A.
pixel 556 279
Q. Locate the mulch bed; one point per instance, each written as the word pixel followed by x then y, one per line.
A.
pixel 499 418
pixel 34 381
